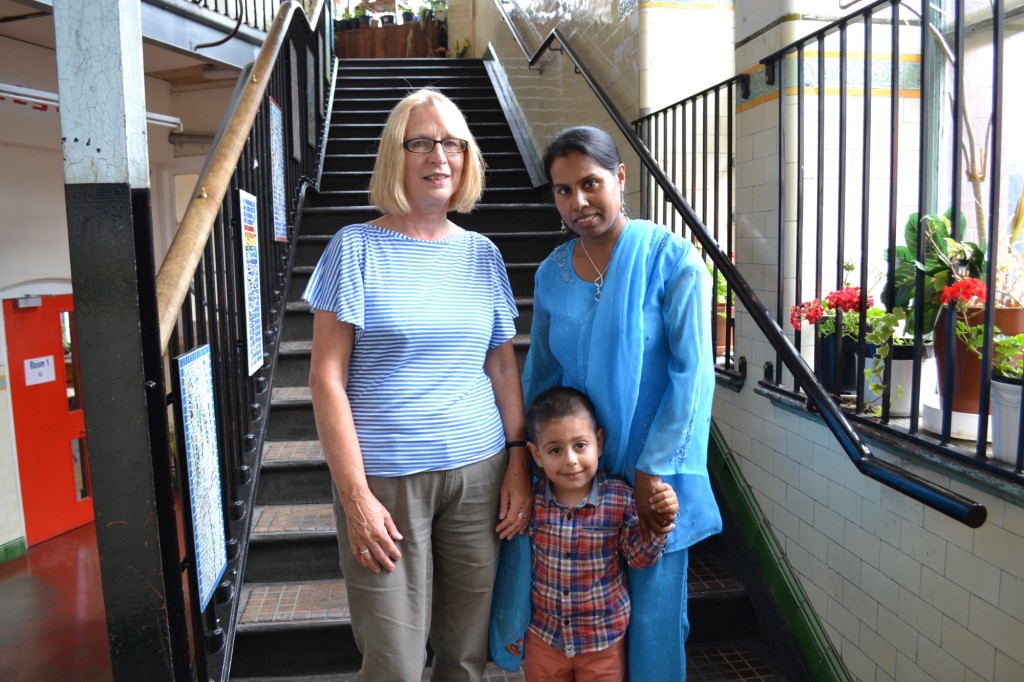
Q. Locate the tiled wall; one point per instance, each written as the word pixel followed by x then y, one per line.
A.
pixel 904 593
pixel 636 51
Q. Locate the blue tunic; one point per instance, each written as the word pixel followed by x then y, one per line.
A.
pixel 643 354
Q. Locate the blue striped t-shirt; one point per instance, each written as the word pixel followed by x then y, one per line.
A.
pixel 425 315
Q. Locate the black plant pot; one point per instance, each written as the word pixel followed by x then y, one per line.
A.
pixel 387 19
pixel 408 17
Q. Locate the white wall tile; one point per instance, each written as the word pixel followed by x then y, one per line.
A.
pixel 999 628
pixel 879 650
pixel 878 585
pixel 947 596
pixel 861 605
pixel 921 615
pixel 900 567
pixel 967 648
pixel 862 543
pixel 939 664
pixel 928 548
pixel 974 574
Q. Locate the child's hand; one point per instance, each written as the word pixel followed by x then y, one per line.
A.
pixel 666 504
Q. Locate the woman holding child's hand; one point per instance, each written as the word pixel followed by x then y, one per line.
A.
pixel 623 314
pixel 418 402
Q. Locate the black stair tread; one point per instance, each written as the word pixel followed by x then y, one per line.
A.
pixel 288 452
pixel 742 660
pixel 294 604
pixel 276 520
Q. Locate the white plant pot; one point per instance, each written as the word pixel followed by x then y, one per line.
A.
pixel 903 377
pixel 1005 415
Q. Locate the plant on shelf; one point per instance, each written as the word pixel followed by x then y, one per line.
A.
pixel 944 261
pixel 883 327
pixel 843 304
pixel 1008 356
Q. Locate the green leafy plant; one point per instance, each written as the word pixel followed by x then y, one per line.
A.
pixel 945 261
pixel 1008 355
pixel 884 326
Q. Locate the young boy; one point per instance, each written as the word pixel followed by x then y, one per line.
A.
pixel 584 526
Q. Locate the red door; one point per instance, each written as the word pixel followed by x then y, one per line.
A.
pixel 49 427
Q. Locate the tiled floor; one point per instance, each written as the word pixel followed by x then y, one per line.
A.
pixel 52 624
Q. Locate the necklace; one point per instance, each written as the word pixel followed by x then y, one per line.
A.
pixel 599 282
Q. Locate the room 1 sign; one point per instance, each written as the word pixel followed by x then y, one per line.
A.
pixel 39 370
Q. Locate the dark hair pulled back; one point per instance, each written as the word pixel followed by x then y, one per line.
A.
pixel 587 140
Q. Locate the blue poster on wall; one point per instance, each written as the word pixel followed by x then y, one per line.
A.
pixel 277 171
pixel 194 380
pixel 251 280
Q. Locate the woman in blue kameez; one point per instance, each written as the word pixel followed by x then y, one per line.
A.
pixel 623 313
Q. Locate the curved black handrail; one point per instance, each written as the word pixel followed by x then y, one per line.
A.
pixel 948 502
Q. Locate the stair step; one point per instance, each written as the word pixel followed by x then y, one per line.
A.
pixel 293 472
pixel 293 543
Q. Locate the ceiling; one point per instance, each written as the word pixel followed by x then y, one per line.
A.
pixel 33 24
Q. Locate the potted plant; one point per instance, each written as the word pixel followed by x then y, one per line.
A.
pixel 835 352
pixel 408 16
pixel 387 19
pixel 1007 383
pixel 361 15
pixel 344 23
pixel 724 305
pixel 886 330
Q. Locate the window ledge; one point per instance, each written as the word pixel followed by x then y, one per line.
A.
pixel 920 449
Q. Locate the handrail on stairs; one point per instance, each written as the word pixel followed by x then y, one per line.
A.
pixel 186 249
pixel 948 502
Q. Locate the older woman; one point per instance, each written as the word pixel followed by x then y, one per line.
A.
pixel 622 313
pixel 418 402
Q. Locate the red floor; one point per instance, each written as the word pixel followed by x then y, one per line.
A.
pixel 52 624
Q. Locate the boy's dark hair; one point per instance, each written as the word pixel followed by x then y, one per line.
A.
pixel 554 404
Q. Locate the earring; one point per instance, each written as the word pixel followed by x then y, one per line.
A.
pixel 622 203
pixel 563 228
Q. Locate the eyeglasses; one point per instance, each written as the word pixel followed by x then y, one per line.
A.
pixel 424 145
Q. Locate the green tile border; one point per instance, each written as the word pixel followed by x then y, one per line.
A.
pixel 820 656
pixel 12 550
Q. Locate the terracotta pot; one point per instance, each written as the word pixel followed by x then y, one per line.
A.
pixel 964 393
pixel 721 323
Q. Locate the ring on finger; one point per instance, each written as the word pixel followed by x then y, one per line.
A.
pixel 522 515
pixel 364 551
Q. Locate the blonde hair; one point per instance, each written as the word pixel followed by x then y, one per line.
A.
pixel 387 184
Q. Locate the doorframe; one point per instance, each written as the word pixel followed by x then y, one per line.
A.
pixel 36 287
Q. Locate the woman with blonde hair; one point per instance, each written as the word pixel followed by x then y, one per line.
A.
pixel 418 402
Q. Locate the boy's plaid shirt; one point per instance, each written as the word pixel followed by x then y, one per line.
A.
pixel 578 594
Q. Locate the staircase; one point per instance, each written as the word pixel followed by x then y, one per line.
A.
pixel 294 610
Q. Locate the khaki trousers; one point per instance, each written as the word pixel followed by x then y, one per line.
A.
pixel 441 587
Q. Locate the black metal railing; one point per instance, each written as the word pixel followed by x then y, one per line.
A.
pixel 270 148
pixel 888 135
pixel 256 14
pixel 945 501
pixel 694 142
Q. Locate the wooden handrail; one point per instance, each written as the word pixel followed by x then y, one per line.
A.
pixel 186 250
